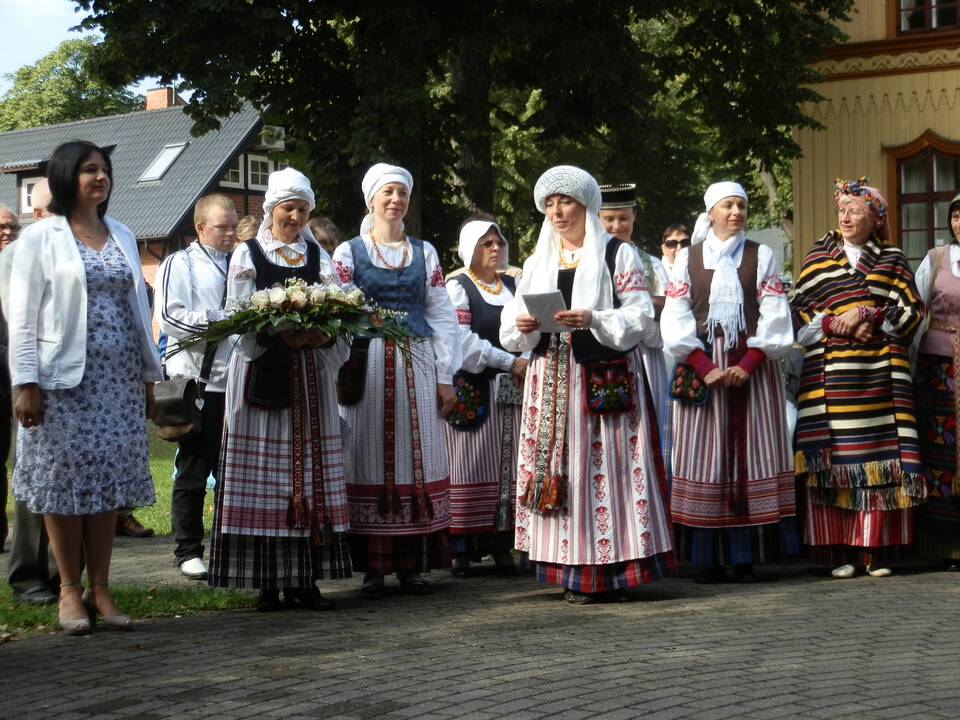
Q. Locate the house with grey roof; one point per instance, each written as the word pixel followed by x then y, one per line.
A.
pixel 159 168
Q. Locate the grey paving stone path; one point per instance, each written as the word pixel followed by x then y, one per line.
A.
pixel 487 647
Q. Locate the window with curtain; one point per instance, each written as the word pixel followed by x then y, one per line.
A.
pixel 926 183
pixel 927 15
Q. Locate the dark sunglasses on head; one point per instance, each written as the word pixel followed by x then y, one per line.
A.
pixel 499 242
pixel 673 243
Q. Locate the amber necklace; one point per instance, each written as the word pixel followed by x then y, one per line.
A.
pixel 568 264
pixel 403 260
pixel 493 289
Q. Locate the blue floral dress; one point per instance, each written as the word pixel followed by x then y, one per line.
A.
pixel 89 455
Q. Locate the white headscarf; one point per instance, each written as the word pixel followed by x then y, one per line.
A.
pixel 592 288
pixel 375 178
pixel 723 257
pixel 283 185
pixel 470 235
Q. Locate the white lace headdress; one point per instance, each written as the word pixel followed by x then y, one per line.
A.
pixel 470 235
pixel 592 288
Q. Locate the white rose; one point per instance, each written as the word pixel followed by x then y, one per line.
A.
pixel 317 295
pixel 298 299
pixel 336 293
pixel 278 296
pixel 260 300
pixel 355 296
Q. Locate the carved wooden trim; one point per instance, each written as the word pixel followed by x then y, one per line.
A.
pixel 895 45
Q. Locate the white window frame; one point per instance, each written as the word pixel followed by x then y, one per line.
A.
pixel 26 184
pixel 260 158
pixel 238 164
pixel 174 151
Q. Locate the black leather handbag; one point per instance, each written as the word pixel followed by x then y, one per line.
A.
pixel 179 402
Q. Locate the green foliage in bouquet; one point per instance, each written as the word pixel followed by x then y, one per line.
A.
pixel 299 306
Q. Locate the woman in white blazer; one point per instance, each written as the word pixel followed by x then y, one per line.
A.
pixel 83 364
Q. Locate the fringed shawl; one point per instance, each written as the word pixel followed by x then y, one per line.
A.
pixel 856 441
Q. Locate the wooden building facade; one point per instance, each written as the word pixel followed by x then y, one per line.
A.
pixel 891 112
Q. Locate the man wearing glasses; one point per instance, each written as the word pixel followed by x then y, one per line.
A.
pixel 675 237
pixel 191 291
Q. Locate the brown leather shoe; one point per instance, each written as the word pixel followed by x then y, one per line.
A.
pixel 131 527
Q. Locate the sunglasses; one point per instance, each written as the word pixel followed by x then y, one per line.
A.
pixel 499 242
pixel 673 243
pixel 9 226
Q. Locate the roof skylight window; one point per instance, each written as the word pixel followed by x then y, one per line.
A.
pixel 162 162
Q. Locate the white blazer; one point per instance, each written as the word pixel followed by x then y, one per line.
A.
pixel 47 301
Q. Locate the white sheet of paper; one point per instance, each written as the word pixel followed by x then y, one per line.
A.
pixel 543 306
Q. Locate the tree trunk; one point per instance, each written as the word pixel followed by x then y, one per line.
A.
pixel 769 182
pixel 471 136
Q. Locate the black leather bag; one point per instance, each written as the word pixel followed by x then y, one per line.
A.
pixel 179 402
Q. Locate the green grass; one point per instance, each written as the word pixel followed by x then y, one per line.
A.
pixel 139 603
pixel 161 469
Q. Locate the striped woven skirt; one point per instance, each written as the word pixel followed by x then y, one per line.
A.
pixel 483 466
pixel 938 520
pixel 733 473
pixel 253 543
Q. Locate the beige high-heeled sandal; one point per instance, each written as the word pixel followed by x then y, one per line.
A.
pixel 73 626
pixel 117 621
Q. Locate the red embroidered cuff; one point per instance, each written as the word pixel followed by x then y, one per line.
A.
pixel 751 360
pixel 827 325
pixel 700 363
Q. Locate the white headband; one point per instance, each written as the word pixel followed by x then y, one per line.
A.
pixel 719 190
pixel 287 184
pixel 470 235
pixel 381 174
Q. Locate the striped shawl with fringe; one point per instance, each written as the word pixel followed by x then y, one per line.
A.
pixel 856 438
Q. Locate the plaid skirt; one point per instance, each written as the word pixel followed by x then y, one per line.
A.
pixel 263 562
pixel 591 579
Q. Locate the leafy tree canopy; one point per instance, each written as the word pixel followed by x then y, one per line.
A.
pixel 478 98
pixel 61 88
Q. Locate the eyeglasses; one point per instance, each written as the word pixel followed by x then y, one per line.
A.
pixel 10 226
pixel 223 229
pixel 499 242
pixel 673 243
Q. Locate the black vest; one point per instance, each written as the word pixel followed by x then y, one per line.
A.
pixel 586 348
pixel 269 274
pixel 484 317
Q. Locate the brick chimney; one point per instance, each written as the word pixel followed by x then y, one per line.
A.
pixel 162 98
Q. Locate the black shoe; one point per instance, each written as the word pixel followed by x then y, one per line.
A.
pixel 268 600
pixel 460 567
pixel 37 595
pixel 711 576
pixel 745 574
pixel 575 598
pixel 373 587
pixel 414 584
pixel 306 599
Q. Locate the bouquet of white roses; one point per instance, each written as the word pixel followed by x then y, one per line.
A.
pixel 298 306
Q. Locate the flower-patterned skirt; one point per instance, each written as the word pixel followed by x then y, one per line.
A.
pixel 89 454
pixel 614 508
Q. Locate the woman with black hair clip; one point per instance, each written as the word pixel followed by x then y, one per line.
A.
pixel 83 365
